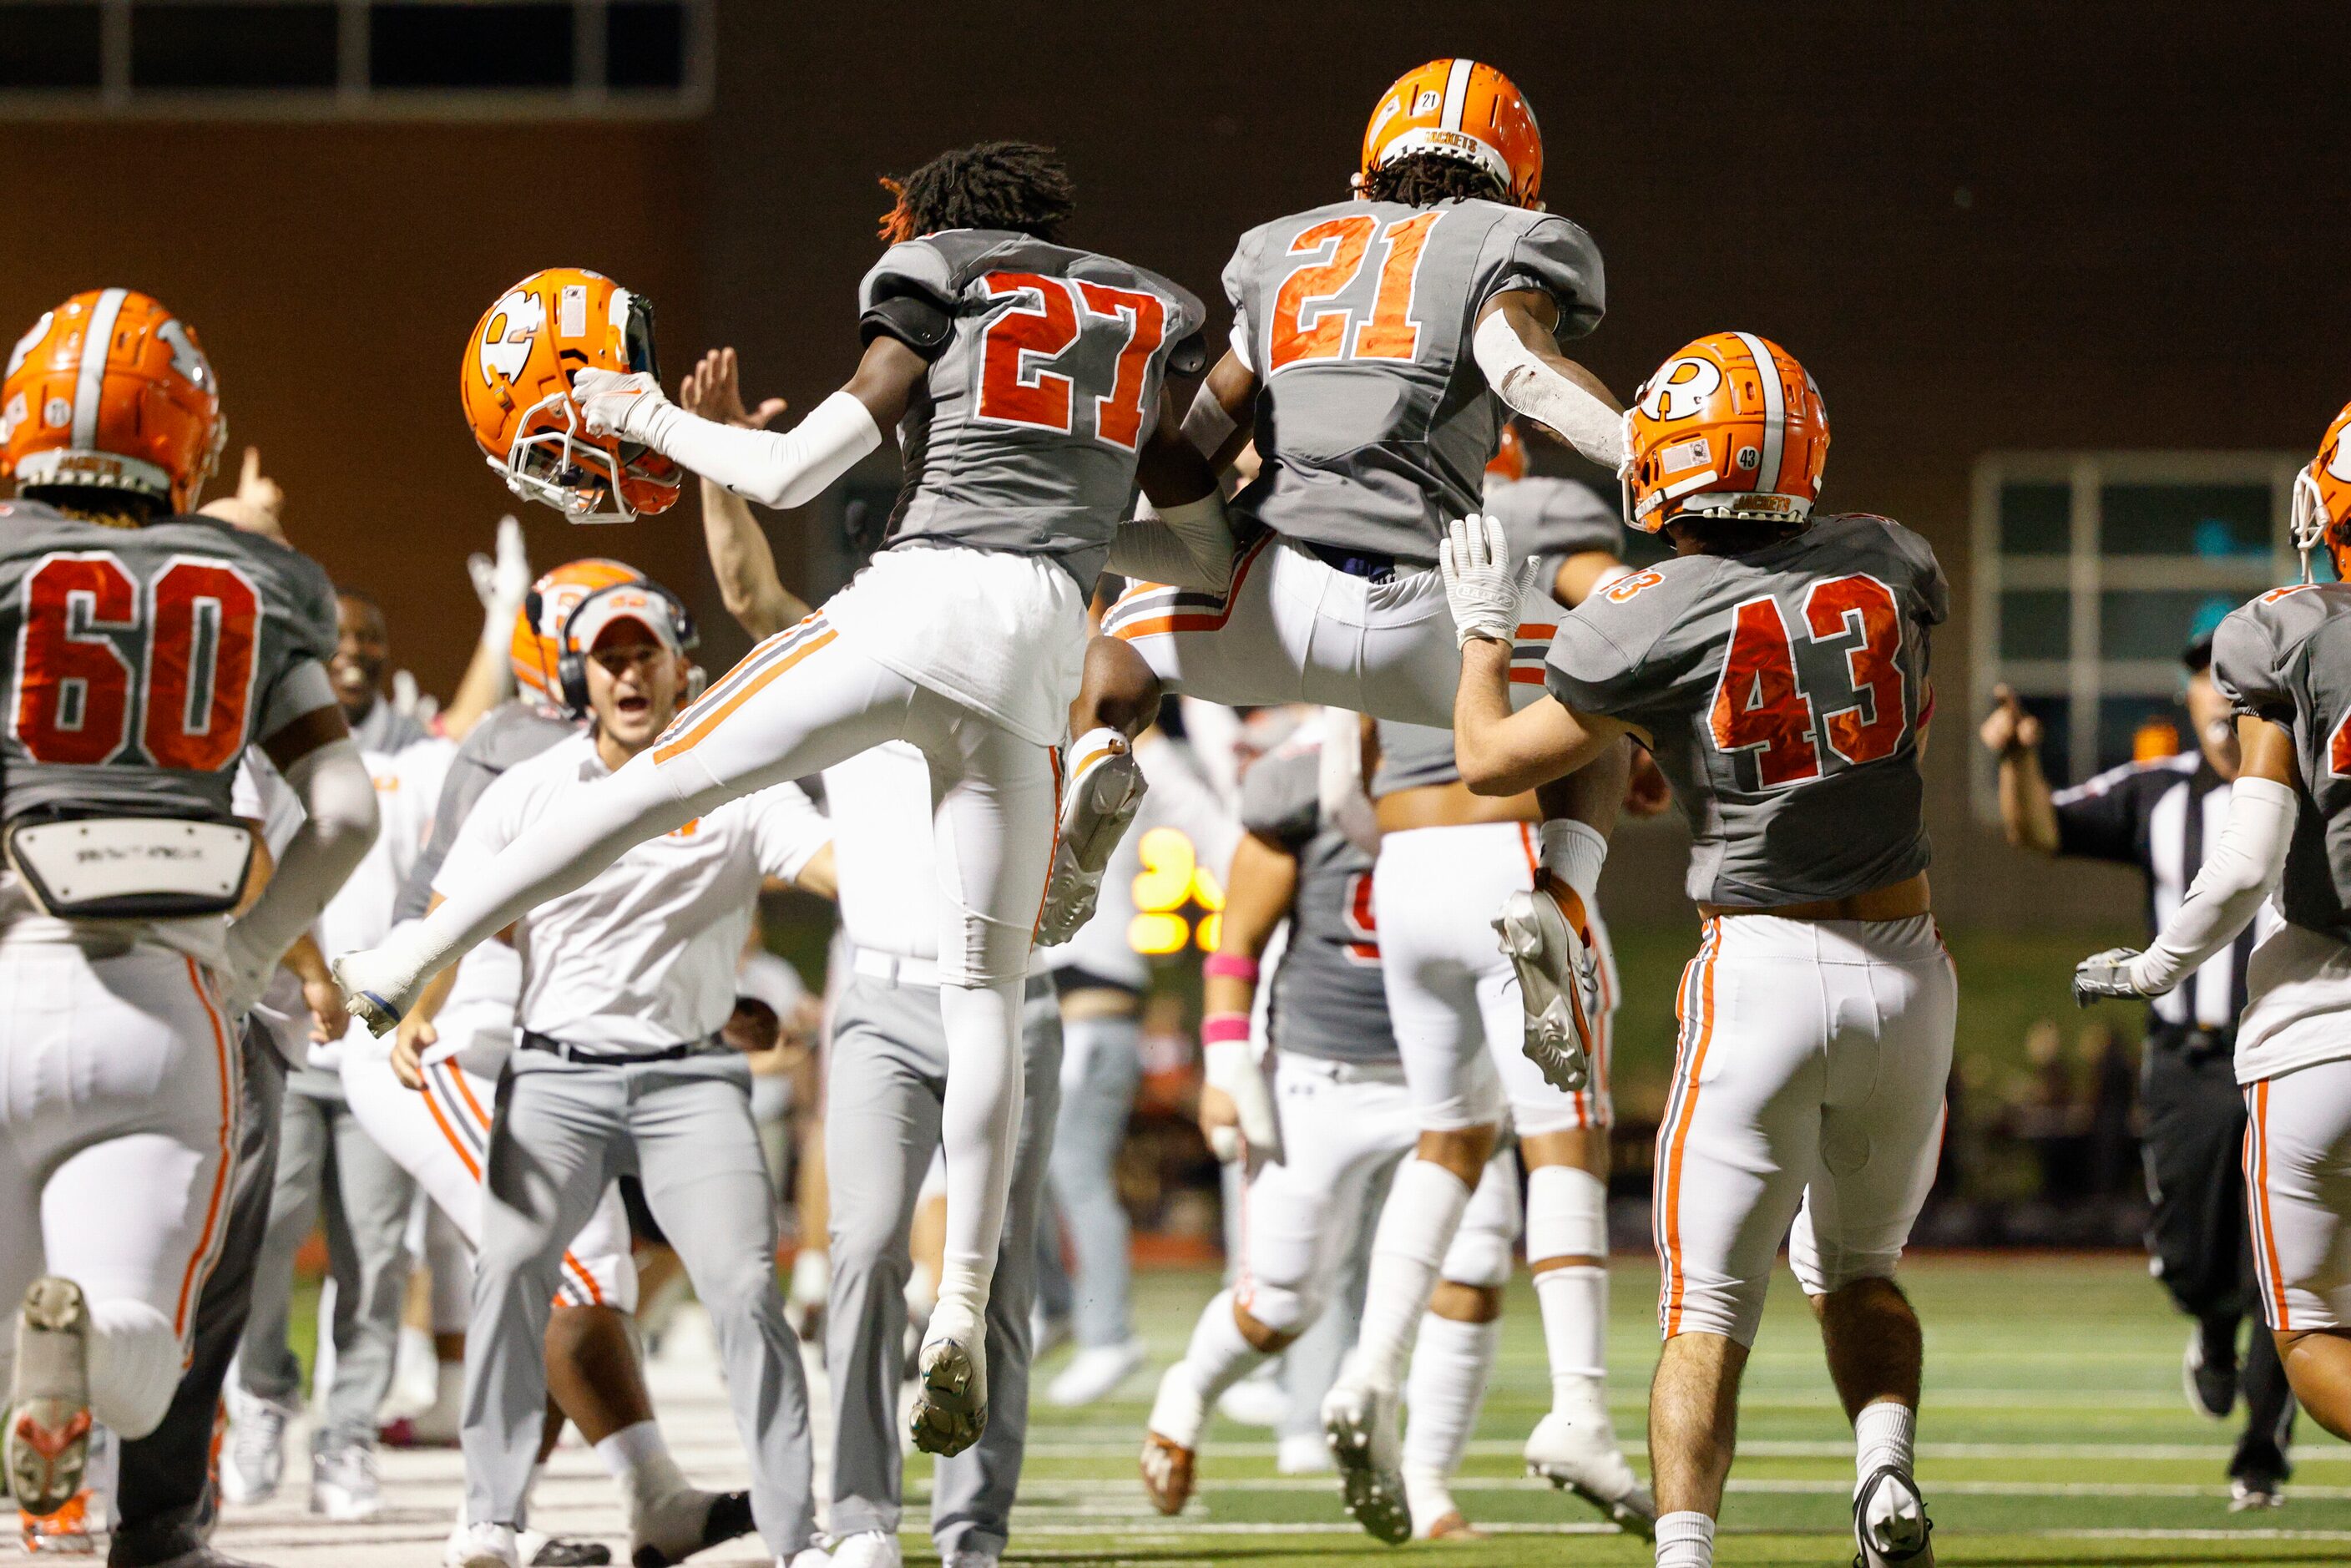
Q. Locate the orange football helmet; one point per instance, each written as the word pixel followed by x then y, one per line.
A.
pixel 516 385
pixel 1730 427
pixel 536 649
pixel 141 414
pixel 1509 459
pixel 1465 110
pixel 2322 500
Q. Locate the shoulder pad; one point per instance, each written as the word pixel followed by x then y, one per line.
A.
pixel 1190 357
pixel 922 324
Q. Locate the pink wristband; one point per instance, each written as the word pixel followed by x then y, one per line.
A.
pixel 1230 967
pixel 1218 1028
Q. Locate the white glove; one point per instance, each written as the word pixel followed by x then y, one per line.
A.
pixel 1232 1067
pixel 1484 584
pixel 2107 974
pixel 616 404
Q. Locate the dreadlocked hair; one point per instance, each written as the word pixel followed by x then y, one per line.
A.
pixel 1015 185
pixel 1734 535
pixel 95 504
pixel 1425 179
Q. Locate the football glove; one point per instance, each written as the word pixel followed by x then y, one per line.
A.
pixel 1483 584
pixel 2106 973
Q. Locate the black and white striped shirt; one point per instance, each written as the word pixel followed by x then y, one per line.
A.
pixel 2159 816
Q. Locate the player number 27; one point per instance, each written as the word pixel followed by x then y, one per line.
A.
pixel 1761 706
pixel 1016 387
pixel 1309 323
pixel 76 690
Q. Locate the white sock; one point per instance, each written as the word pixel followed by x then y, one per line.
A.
pixel 979 1126
pixel 638 1457
pixel 1884 1434
pixel 1574 852
pixel 1450 1363
pixel 1567 1217
pixel 1423 1211
pixel 1217 1358
pixel 1685 1540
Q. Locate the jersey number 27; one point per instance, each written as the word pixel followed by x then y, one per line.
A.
pixel 76 690
pixel 1015 387
pixel 1761 706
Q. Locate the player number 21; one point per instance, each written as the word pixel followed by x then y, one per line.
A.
pixel 1759 707
pixel 1016 388
pixel 1309 323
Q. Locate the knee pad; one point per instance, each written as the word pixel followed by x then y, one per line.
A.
pixel 1279 1308
pixel 1478 1258
pixel 1567 1213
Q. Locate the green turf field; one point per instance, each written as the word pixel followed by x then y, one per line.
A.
pixel 2055 1432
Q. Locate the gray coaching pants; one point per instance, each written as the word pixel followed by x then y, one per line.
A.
pixel 562 1131
pixel 884 1081
pixel 1102 1067
pixel 326 1165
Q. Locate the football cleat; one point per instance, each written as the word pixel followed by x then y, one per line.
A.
pixel 1105 787
pixel 1358 1425
pixel 253 1460
pixel 1889 1521
pixel 46 1441
pixel 2210 1384
pixel 344 1483
pixel 1167 1472
pixel 481 1546
pixel 1095 1373
pixel 1582 1457
pixel 2250 1492
pixel 1546 937
pixel 536 1549
pixel 951 1394
pixel 64 1534
pixel 690 1521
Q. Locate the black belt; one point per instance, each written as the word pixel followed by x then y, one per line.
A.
pixel 596 1056
pixel 1372 566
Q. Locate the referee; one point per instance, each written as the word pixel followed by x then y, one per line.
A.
pixel 2159 816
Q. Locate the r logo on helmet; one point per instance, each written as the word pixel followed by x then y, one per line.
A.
pixel 514 322
pixel 1681 388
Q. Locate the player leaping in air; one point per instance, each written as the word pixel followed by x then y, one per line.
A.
pixel 1025 379
pixel 1379 343
pixel 2284 663
pixel 1776 667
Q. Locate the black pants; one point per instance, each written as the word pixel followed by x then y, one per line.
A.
pixel 163 1492
pixel 2194 1151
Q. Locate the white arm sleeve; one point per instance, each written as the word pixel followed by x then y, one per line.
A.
pixel 1205 423
pixel 338 825
pixel 783 468
pixel 2237 876
pixel 1541 393
pixel 1190 546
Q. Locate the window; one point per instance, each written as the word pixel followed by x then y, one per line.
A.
pixel 355 58
pixel 2092 569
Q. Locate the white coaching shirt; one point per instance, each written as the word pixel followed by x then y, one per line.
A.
pixel 642 956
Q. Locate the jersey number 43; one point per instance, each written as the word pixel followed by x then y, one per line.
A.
pixel 1761 706
pixel 77 693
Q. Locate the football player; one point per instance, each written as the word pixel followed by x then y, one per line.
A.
pixel 2284 664
pixel 1313 1146
pixel 1025 378
pixel 153 647
pixel 1777 667
pixel 427 1100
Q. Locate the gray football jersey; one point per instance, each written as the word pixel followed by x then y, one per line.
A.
pixel 1551 519
pixel 1412 757
pixel 511 733
pixel 2286 657
pixel 1023 436
pixel 1784 691
pixel 145 660
pixel 1373 421
pixel 1328 999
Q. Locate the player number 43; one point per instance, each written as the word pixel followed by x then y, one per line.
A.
pixel 1761 707
pixel 76 690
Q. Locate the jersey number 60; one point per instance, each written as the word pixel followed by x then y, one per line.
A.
pixel 76 689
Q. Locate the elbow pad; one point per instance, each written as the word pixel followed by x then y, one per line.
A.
pixel 923 325
pixel 1536 390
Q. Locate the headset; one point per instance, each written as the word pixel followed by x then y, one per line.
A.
pixel 571 661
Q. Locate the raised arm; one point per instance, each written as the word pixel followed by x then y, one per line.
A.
pixel 2028 810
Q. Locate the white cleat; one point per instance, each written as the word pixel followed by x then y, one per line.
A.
pixel 253 1460
pixel 46 1441
pixel 951 1388
pixel 868 1548
pixel 1545 934
pixel 480 1546
pixel 344 1482
pixel 1889 1521
pixel 1580 1454
pixel 1359 1426
pixel 1302 1454
pixel 1104 789
pixel 1095 1374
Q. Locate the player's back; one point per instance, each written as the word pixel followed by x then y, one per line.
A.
pixel 1374 424
pixel 2286 657
pixel 1024 434
pixel 1328 997
pixel 1784 690
pixel 145 660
